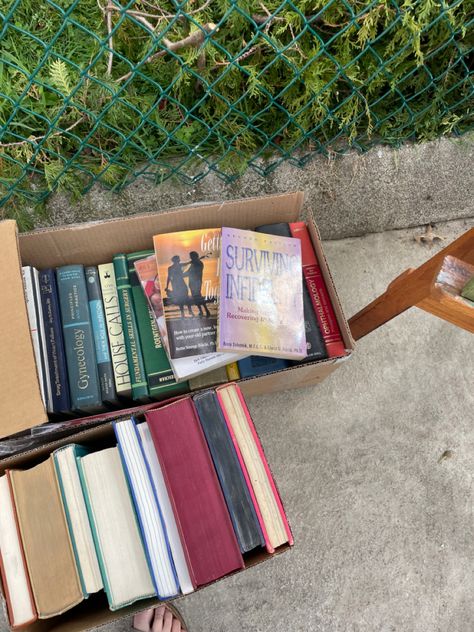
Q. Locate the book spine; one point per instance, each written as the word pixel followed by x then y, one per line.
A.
pixel 99 329
pixel 130 329
pixel 33 313
pixel 232 370
pixel 318 292
pixel 59 480
pixel 60 399
pixel 315 345
pixel 159 375
pixel 113 320
pixel 42 338
pixel 78 339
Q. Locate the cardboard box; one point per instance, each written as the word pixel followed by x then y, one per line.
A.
pixel 93 243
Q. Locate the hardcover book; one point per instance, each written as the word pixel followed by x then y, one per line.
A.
pixel 315 346
pixel 261 306
pixel 114 323
pixel 130 329
pixel 318 292
pixel 233 484
pixel 259 365
pixel 16 582
pixel 268 506
pixel 148 510
pixel 99 329
pixel 67 475
pixel 44 533
pixel 78 339
pixel 159 485
pixel 183 368
pixel 159 374
pixel 33 310
pixel 202 518
pixel 60 400
pixel 118 542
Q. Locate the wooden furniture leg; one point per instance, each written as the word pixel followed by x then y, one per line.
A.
pixel 409 289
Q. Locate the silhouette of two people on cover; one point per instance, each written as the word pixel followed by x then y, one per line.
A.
pixel 179 294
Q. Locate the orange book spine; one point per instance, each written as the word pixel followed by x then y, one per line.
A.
pixel 318 291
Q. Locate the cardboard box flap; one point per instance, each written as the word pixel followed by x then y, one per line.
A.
pixel 21 406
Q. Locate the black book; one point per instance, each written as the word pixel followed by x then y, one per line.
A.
pixel 231 478
pixel 314 338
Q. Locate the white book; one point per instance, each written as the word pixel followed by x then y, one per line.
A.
pixel 65 462
pixel 33 319
pixel 42 338
pixel 17 584
pixel 156 472
pixel 148 509
pixel 119 546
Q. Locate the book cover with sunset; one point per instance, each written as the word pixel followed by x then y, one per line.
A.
pixel 188 271
pixel 261 295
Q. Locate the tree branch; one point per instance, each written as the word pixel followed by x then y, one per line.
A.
pixel 195 39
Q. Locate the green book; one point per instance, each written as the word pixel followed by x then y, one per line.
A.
pixel 159 375
pixel 130 329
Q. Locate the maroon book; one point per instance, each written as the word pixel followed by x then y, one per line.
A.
pixel 206 531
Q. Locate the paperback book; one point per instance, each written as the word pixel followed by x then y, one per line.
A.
pixel 183 368
pixel 261 308
pixel 188 270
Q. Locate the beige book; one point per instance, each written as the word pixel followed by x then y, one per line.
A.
pixel 251 453
pixel 48 550
pixel 119 545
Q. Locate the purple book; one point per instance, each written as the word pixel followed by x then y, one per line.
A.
pixel 261 296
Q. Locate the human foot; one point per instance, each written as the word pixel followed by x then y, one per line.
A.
pixel 161 619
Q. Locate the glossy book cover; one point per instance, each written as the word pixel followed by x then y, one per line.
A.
pixel 261 297
pixel 188 271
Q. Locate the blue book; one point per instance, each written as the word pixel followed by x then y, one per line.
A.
pixel 152 526
pixel 259 365
pixel 81 360
pixel 60 399
pixel 99 329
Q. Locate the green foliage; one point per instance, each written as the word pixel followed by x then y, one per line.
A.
pixel 270 79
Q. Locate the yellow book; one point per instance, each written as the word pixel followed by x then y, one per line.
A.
pixel 233 372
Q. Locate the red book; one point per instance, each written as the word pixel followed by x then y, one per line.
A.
pixel 210 546
pixel 319 294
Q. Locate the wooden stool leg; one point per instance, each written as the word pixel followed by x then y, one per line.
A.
pixel 409 289
pixel 395 300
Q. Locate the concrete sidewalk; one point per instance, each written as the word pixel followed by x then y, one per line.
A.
pixel 375 470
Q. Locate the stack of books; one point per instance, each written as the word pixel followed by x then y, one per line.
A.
pixel 201 308
pixel 173 503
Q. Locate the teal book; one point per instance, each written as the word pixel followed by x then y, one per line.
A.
pixel 159 375
pixel 81 359
pixel 101 341
pixel 130 329
pixel 69 482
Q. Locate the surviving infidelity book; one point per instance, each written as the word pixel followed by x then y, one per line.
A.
pixel 261 295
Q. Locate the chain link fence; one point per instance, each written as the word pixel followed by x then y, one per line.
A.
pixel 102 90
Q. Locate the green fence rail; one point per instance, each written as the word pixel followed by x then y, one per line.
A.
pixel 107 90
